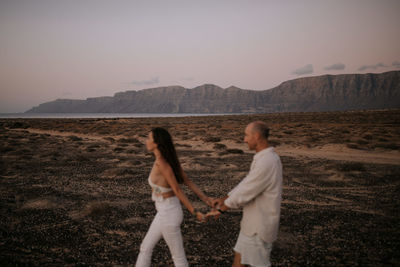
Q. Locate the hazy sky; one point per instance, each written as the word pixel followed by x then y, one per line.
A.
pixel 76 49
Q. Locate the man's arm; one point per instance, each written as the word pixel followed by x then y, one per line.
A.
pixel 255 182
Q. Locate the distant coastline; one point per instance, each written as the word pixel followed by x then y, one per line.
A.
pixel 104 115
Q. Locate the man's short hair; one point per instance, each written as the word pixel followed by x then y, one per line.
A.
pixel 262 128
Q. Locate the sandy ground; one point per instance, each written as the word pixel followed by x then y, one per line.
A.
pixel 330 151
pixel 74 191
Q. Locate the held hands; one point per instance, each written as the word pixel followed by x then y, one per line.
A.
pixel 214 203
pixel 209 201
pixel 217 202
pixel 201 217
pixel 213 214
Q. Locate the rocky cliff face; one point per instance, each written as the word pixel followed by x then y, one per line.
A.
pixel 337 92
pixel 321 93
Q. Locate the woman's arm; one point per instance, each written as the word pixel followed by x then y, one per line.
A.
pixel 168 174
pixel 196 189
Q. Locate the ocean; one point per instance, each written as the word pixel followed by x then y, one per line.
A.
pixel 102 115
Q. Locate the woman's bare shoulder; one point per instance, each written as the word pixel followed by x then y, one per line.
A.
pixel 161 163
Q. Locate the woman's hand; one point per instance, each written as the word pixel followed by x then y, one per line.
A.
pixel 200 216
pixel 213 213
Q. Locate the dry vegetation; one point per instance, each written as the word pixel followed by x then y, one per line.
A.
pixel 74 191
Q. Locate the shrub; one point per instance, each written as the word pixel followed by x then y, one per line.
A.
pixel 351 166
pixel 362 142
pixel 313 138
pixel 367 137
pixel 200 132
pixel 212 139
pixel 353 146
pixel 274 142
pixel 18 125
pixel 6 149
pixel 219 146
pixel 96 209
pixel 391 146
pixel 123 145
pixel 235 151
pixel 74 138
pixel 128 140
pixel 103 132
pixel 182 145
pixel 138 145
pixel 109 139
pixel 118 149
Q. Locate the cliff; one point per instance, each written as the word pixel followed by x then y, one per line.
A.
pixel 320 93
pixel 337 92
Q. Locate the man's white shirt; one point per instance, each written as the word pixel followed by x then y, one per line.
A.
pixel 260 194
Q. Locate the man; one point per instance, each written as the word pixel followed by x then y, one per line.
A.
pixel 259 193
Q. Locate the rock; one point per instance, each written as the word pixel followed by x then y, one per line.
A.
pixel 320 93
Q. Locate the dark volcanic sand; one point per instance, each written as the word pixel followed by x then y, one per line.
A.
pixel 75 192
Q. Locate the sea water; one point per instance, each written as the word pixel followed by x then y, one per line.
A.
pixel 103 115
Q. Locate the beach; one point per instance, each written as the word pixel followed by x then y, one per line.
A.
pixel 75 192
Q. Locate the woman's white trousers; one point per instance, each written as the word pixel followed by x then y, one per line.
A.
pixel 166 224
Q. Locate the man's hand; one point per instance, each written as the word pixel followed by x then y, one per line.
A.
pixel 217 202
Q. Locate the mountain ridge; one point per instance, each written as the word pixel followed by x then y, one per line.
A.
pixel 317 93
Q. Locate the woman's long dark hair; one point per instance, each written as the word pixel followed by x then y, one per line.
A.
pixel 164 143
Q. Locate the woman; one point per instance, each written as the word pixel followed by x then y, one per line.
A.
pixel 165 179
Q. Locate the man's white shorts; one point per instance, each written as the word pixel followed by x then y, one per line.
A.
pixel 253 250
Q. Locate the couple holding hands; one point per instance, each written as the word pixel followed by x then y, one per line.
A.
pixel 259 194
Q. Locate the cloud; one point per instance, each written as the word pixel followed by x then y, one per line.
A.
pixel 307 69
pixel 337 66
pixel 396 64
pixel 371 67
pixel 151 81
pixel 188 79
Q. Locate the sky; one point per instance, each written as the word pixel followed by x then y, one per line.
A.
pixel 51 49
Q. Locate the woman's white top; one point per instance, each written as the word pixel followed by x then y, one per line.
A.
pixel 158 191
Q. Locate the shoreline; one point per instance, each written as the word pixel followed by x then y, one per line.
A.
pixel 27 115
